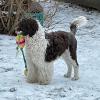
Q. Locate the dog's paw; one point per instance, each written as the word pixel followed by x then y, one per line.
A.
pixel 30 80
pixel 44 82
pixel 75 78
pixel 67 75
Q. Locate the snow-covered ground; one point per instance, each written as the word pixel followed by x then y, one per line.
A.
pixel 12 81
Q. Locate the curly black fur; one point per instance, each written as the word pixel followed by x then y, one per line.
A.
pixel 28 26
pixel 58 42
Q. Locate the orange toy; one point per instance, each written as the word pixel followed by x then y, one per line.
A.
pixel 20 41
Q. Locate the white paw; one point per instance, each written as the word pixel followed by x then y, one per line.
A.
pixel 67 75
pixel 44 82
pixel 75 78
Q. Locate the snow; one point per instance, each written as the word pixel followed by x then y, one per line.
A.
pixel 13 85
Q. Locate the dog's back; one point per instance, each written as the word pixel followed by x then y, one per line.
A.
pixel 58 42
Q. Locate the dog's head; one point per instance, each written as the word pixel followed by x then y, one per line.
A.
pixel 28 26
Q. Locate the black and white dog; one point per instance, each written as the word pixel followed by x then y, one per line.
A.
pixel 43 48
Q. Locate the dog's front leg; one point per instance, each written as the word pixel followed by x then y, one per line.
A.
pixel 31 75
pixel 32 71
pixel 43 77
pixel 45 73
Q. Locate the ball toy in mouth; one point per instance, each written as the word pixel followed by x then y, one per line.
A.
pixel 20 40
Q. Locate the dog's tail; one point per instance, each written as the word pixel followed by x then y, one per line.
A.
pixel 78 22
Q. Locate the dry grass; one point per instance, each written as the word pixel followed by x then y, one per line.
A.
pixel 10 13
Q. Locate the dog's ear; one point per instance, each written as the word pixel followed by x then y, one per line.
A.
pixel 28 26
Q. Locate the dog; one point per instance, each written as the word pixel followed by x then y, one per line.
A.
pixel 42 49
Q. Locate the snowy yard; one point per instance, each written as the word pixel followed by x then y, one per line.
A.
pixel 13 85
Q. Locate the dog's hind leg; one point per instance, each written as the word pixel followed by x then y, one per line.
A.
pixel 69 72
pixel 71 61
pixel 76 70
pixel 73 55
pixel 67 59
pixel 75 65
